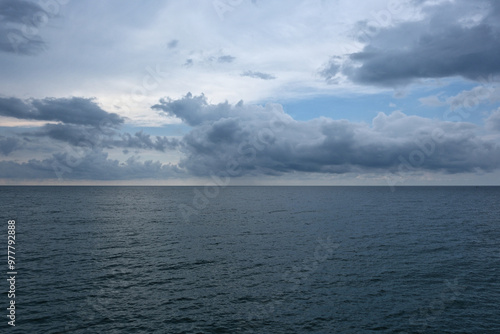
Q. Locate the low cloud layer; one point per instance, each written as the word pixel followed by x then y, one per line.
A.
pixel 141 140
pixel 253 140
pixel 245 140
pixel 80 135
pixel 86 165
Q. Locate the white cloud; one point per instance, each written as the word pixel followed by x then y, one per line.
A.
pixel 489 92
pixel 110 58
pixel 471 98
pixel 432 101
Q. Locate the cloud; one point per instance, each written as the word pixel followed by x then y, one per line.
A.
pixel 466 99
pixel 193 110
pixel 256 140
pixel 74 110
pixel 172 44
pixel 474 97
pixel 331 70
pixel 258 75
pixel 19 24
pixel 459 38
pixel 493 121
pixel 9 144
pixel 226 59
pixel 86 131
pixel 432 101
pixel 141 140
pixel 87 165
pixel 98 138
pixel 253 140
pixel 76 135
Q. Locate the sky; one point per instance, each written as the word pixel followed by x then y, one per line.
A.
pixel 250 92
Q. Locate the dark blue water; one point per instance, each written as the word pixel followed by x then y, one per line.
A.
pixel 254 259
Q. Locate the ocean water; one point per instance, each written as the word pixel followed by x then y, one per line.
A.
pixel 254 259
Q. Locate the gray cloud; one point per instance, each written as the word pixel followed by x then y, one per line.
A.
pixel 467 99
pixel 264 140
pixel 75 110
pixel 96 137
pixel 257 140
pixel 142 140
pixel 330 71
pixel 258 75
pixel 474 97
pixel 226 59
pixel 16 11
pixel 460 38
pixel 172 44
pixel 493 121
pixel 87 165
pixel 76 135
pixel 193 110
pixel 87 130
pixel 19 24
pixel 432 101
pixel 9 144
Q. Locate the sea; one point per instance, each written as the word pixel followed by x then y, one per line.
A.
pixel 252 259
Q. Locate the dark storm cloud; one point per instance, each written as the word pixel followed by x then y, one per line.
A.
pixel 460 38
pixel 258 75
pixel 86 165
pixel 264 140
pixel 19 23
pixel 74 110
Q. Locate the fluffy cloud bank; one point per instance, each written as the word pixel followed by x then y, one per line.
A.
pixel 242 140
pixel 255 140
pixel 86 165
